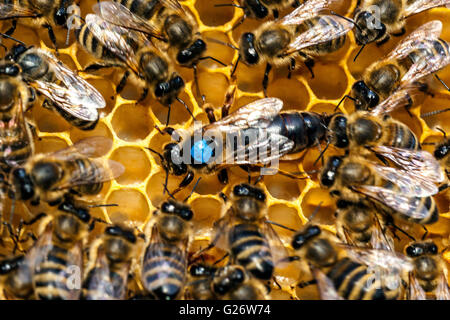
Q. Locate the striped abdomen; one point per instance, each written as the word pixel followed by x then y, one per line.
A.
pixel 86 170
pixel 304 128
pixel 52 276
pixel 99 285
pixel 249 248
pixel 353 281
pixel 400 136
pixel 163 271
pixel 14 149
pixel 327 47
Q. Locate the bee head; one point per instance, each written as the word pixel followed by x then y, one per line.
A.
pixel 338 126
pixel 70 225
pixel 201 270
pixel 442 150
pixel 119 243
pixel 190 55
pixel 9 265
pixel 167 92
pixel 329 171
pixel 228 278
pixel 249 201
pixel 22 184
pixel 417 249
pixel 171 152
pixel 45 174
pixel 177 208
pixel 365 98
pixel 60 15
pixel 318 250
pixel 254 8
pixel 364 130
pixel 173 224
pixel 425 265
pixel 369 28
pixel 248 50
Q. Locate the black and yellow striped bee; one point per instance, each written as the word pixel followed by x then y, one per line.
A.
pixel 48 14
pixel 164 264
pixel 16 139
pixel 78 169
pixel 106 278
pixel 16 277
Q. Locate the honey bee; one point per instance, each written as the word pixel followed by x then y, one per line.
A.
pixel 164 263
pixel 116 46
pixel 350 273
pixel 15 135
pixel 48 14
pixel 231 282
pixel 50 177
pixel 107 278
pixel 377 20
pixel 245 233
pixel 65 92
pixel 16 278
pixel 402 71
pixel 429 276
pixel 403 192
pixel 303 34
pixel 258 126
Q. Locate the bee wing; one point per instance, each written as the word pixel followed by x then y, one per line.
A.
pixel 255 114
pixel 408 206
pixel 305 11
pixel 277 249
pixel 90 147
pixel 173 5
pixel 428 31
pixel 118 14
pixel 19 127
pixel 320 33
pixel 421 5
pixel 11 10
pixel 425 67
pixel 400 98
pixel 101 285
pixel 442 289
pixel 410 183
pixel 113 37
pixel 421 162
pixel 381 240
pixel 326 287
pixel 415 289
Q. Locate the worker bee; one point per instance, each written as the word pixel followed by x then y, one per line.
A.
pixel 245 233
pixel 107 278
pixel 16 277
pixel 65 92
pixel 15 135
pixel 402 71
pixel 49 177
pixel 429 276
pixel 116 46
pixel 377 20
pixel 164 263
pixel 303 34
pixel 231 282
pixel 359 225
pixel 350 273
pixel 256 134
pixel 49 14
pixel 404 192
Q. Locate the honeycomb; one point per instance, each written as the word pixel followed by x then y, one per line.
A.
pixel 139 191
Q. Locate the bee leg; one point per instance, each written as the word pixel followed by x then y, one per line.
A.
pixel 35 219
pixel 210 113
pixel 185 182
pixel 238 23
pixel 400 33
pixel 426 232
pixel 51 35
pixel 443 187
pixel 383 40
pixel 291 68
pixel 276 282
pixel 143 95
pixel 122 82
pixel 98 66
pixel 305 284
pixel 229 100
pixel 94 221
pixel 275 13
pixel 221 259
pixel 266 78
pixel 11 30
pixel 223 196
pixel 223 176
pixel 442 82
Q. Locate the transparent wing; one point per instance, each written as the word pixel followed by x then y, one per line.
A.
pixel 442 289
pixel 323 31
pixel 256 114
pixel 425 67
pixel 173 5
pixel 103 284
pixel 410 183
pixel 305 11
pixel 415 289
pixel 277 249
pixel 10 11
pixel 400 98
pixel 114 38
pixel 421 5
pixel 326 287
pixel 116 13
pixel 410 207
pixel 91 147
pixel 430 31
pixel 421 162
pixel 381 240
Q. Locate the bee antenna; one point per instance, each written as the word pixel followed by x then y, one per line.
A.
pixel 443 132
pixel 426 232
pixel 166 182
pixel 342 100
pixel 311 217
pixel 4 35
pixel 223 43
pixel 168 116
pixel 213 59
pixel 442 82
pixel 359 52
pixel 280 225
pixel 235 66
pixel 187 107
pixel 156 152
pixel 228 5
pixel 193 189
pixel 346 18
pixel 168 192
pixel 433 113
pixel 103 205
